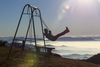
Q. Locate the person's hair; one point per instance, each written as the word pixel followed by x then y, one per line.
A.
pixel 45 30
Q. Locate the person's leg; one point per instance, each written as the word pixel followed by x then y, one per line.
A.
pixel 60 34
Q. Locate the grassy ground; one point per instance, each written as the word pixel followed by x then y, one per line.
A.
pixel 31 59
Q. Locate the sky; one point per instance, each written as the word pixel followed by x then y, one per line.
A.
pixel 82 17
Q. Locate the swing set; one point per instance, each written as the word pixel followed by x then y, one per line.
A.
pixel 33 13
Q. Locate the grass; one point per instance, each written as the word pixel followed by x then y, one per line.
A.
pixel 30 58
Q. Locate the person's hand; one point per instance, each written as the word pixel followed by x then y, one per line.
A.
pixel 49 32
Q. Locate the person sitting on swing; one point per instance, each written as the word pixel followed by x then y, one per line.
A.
pixel 54 38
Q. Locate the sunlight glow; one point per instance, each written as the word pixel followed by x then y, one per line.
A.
pixel 59 18
pixel 63 9
pixel 29 61
pixel 86 1
pixel 99 1
pixel 84 7
pixel 67 6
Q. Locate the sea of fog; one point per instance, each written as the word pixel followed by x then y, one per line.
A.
pixel 67 49
pixel 70 49
pixel 75 49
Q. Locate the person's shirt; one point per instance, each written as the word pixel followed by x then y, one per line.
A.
pixel 49 36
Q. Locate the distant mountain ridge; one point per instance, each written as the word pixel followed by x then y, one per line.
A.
pixel 59 39
pixel 76 39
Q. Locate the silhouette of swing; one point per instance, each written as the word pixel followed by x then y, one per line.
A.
pixel 33 9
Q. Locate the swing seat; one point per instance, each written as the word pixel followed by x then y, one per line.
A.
pixel 49 49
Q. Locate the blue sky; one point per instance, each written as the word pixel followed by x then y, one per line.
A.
pixel 82 17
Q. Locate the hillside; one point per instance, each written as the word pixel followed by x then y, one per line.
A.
pixel 94 59
pixel 30 58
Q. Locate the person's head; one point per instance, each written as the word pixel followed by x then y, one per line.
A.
pixel 46 31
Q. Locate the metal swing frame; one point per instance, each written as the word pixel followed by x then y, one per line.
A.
pixel 33 9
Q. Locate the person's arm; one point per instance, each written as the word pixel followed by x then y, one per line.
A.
pixel 50 33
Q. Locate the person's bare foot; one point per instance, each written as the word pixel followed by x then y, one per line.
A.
pixel 67 30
